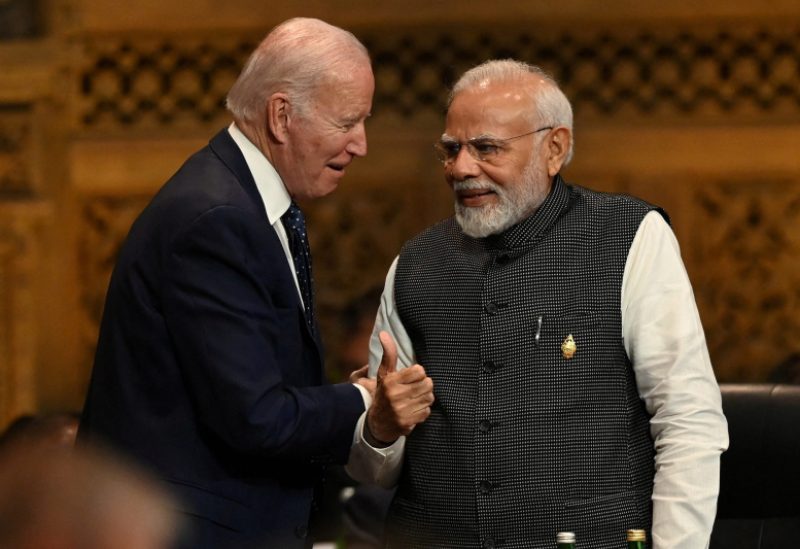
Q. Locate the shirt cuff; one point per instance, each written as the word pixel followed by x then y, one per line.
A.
pixel 380 466
pixel 364 395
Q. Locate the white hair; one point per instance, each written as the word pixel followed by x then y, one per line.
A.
pixel 296 57
pixel 552 108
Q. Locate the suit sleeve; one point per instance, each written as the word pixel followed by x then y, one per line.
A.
pixel 231 323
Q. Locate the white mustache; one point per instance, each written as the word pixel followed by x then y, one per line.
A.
pixel 477 184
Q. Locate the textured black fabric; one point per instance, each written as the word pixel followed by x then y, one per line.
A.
pixel 523 443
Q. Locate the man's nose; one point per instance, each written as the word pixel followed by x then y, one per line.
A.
pixel 463 166
pixel 357 146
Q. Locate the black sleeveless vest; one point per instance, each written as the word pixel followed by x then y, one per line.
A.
pixel 524 442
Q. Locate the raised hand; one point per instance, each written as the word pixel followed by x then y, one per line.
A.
pixel 402 399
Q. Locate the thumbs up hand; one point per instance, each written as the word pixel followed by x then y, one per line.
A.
pixel 389 359
pixel 402 399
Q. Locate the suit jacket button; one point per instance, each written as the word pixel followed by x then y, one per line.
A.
pixel 301 532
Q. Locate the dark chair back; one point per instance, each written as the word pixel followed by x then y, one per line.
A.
pixel 759 500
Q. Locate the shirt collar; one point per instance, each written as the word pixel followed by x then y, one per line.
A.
pixel 268 182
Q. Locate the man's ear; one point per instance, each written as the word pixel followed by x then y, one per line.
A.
pixel 279 116
pixel 559 144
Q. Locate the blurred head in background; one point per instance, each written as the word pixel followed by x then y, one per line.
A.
pixel 78 499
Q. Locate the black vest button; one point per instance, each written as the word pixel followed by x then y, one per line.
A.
pixel 485 486
pixel 502 258
pixel 489 543
pixel 491 308
pixel 489 367
pixel 485 425
pixel 301 532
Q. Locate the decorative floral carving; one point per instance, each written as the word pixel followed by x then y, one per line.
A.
pixel 746 248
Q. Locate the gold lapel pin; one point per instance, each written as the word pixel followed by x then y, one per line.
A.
pixel 568 348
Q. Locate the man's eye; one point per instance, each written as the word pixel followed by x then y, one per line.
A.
pixel 451 149
pixel 486 148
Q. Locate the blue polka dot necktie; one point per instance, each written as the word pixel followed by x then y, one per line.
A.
pixel 295 224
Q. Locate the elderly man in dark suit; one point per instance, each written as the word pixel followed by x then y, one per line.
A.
pixel 209 368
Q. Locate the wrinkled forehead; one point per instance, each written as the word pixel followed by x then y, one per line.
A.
pixel 350 91
pixel 498 109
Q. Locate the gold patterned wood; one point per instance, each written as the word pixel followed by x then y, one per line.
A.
pixel 105 222
pixel 706 180
pixel 156 82
pixel 699 76
pixel 15 150
pixel 746 236
pixel 20 226
pixel 681 104
pixel 699 73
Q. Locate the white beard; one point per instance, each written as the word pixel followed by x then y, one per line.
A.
pixel 514 203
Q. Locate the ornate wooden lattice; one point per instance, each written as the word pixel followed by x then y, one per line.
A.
pixel 160 82
pixel 746 288
pixel 653 73
pixel 15 148
pixel 19 262
pixel 747 248
pixel 105 222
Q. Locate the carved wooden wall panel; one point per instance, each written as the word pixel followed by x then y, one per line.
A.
pixel 740 241
pixel 20 229
pixel 15 150
pixel 679 108
pixel 165 81
pixel 35 318
pixel 104 224
pixel 747 239
pixel 700 76
pixel 699 73
pixel 731 192
pixel 19 262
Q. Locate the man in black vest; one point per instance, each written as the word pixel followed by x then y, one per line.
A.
pixel 573 386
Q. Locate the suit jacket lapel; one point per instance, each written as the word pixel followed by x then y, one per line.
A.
pixel 226 149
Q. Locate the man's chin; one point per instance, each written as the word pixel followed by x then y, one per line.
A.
pixel 321 188
pixel 479 224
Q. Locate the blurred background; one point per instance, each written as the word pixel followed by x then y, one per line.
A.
pixel 693 105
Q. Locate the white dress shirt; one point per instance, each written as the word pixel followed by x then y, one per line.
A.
pixel 664 340
pixel 270 187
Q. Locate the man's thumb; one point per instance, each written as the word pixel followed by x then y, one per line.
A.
pixel 389 358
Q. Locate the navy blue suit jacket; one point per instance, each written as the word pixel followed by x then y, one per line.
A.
pixel 206 371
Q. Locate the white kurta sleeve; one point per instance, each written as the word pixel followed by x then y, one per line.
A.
pixel 665 342
pixel 382 465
